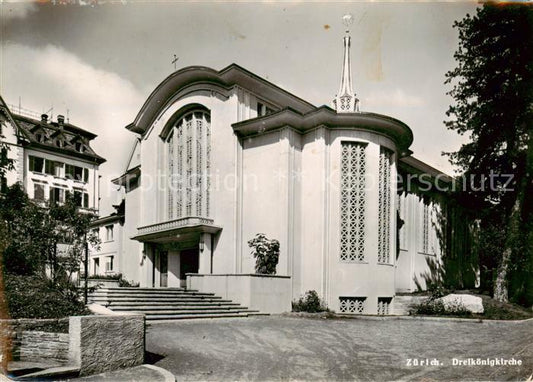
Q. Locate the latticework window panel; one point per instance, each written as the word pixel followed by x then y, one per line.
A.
pixel 172 180
pixel 402 208
pixel 352 206
pixel 352 304
pixel 424 245
pixel 384 205
pixel 384 305
pixel 189 166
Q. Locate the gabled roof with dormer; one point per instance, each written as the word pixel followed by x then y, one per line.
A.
pixel 58 137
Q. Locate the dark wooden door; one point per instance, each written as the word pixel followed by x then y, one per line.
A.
pixel 189 262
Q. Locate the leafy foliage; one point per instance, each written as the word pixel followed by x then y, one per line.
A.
pixel 435 307
pixel 37 297
pixel 124 283
pixel 310 302
pixel 6 163
pixel 41 248
pixel 493 106
pixel 116 276
pixel 266 254
pixel 43 239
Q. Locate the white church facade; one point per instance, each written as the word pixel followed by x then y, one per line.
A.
pixel 223 155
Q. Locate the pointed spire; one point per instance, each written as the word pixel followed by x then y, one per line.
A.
pixel 345 101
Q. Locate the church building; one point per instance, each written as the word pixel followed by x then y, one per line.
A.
pixel 222 155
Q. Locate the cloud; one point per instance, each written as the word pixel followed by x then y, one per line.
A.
pixel 393 98
pixel 17 9
pixel 95 99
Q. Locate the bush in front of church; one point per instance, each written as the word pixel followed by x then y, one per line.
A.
pixel 266 254
pixel 310 303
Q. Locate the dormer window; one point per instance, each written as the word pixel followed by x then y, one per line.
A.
pixel 263 109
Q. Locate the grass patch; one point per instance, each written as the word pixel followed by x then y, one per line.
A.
pixel 493 310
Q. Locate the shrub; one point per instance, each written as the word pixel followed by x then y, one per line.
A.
pixel 310 302
pixel 125 283
pixel 116 276
pixel 266 254
pixel 38 297
pixel 435 307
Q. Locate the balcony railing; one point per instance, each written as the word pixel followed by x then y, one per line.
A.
pixel 187 222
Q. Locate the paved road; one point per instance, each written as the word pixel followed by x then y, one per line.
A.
pixel 283 348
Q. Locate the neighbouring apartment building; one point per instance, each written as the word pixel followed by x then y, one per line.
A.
pixel 51 158
pixel 105 260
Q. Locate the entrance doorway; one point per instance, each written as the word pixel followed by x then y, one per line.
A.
pixel 163 268
pixel 189 263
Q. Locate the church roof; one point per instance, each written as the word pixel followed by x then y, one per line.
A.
pixel 227 78
pixel 398 131
pixel 295 112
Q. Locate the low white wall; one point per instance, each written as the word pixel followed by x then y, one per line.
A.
pixel 101 283
pixel 265 293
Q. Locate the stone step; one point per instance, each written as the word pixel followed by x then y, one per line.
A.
pixel 157 298
pixel 176 308
pixel 112 303
pixel 193 316
pixel 402 304
pixel 164 294
pixel 177 312
pixel 147 289
pixel 53 373
pixel 166 303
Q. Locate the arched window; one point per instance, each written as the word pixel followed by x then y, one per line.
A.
pixel 188 166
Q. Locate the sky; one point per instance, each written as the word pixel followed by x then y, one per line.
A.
pixel 98 64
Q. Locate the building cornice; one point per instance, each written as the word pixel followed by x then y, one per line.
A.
pixel 127 176
pixel 398 131
pixel 92 158
pixel 106 219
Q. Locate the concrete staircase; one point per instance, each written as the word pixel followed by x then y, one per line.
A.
pixel 168 303
pixel 402 303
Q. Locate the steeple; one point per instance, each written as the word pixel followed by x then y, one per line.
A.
pixel 345 101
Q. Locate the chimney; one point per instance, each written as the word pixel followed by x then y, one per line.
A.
pixel 60 120
pixel 44 118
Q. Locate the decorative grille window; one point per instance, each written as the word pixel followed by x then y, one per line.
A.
pixel 352 304
pixel 188 165
pixel 384 305
pixel 172 181
pixel 353 168
pixel 384 198
pixel 425 229
pixel 402 209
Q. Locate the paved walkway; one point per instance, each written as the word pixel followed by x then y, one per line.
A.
pixel 279 347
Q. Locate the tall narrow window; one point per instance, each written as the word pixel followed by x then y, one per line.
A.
pixel 172 180
pixel 424 239
pixel 38 191
pixel 384 206
pixel 109 233
pixel 188 165
pixel 353 168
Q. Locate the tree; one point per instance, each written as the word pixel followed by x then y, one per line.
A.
pixel 493 105
pixel 266 253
